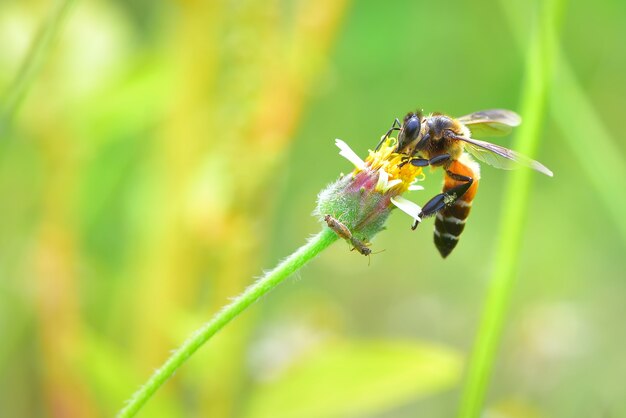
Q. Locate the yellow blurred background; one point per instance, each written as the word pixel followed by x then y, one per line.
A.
pixel 160 155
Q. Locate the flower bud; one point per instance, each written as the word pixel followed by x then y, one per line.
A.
pixel 362 200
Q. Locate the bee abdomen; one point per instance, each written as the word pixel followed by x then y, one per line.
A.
pixel 449 225
pixel 450 222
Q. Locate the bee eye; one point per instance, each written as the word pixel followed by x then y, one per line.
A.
pixel 411 128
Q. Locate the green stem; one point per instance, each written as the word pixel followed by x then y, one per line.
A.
pixel 534 102
pixel 262 286
pixel 568 101
pixel 607 160
pixel 33 60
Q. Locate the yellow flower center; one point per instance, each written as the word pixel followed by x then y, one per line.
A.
pixel 391 162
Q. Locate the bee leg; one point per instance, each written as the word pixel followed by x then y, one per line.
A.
pixel 423 162
pixel 396 126
pixel 445 199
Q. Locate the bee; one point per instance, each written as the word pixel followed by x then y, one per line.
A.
pixel 439 140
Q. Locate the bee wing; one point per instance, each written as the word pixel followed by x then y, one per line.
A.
pixel 501 157
pixel 493 122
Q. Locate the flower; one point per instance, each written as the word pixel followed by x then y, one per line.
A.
pixel 360 203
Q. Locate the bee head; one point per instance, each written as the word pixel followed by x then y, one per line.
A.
pixel 411 127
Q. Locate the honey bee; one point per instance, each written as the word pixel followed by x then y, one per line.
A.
pixel 442 141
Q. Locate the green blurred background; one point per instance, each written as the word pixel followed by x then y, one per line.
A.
pixel 164 153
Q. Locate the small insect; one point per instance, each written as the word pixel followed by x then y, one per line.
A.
pixel 442 141
pixel 345 233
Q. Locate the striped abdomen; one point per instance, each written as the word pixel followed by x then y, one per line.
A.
pixel 450 221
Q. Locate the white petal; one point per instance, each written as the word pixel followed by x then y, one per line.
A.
pixel 413 187
pixel 350 155
pixel 407 207
pixel 393 183
pixel 383 179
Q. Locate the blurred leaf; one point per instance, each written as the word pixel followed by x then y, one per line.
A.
pixel 112 377
pixel 349 378
pixel 513 408
pixel 128 104
pixel 39 50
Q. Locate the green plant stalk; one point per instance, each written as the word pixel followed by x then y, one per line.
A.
pixel 581 126
pixel 533 106
pixel 32 62
pixel 568 102
pixel 267 282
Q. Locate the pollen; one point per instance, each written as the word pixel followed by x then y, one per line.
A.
pixel 400 175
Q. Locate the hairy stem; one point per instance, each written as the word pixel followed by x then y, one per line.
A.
pixel 262 286
pixel 539 72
